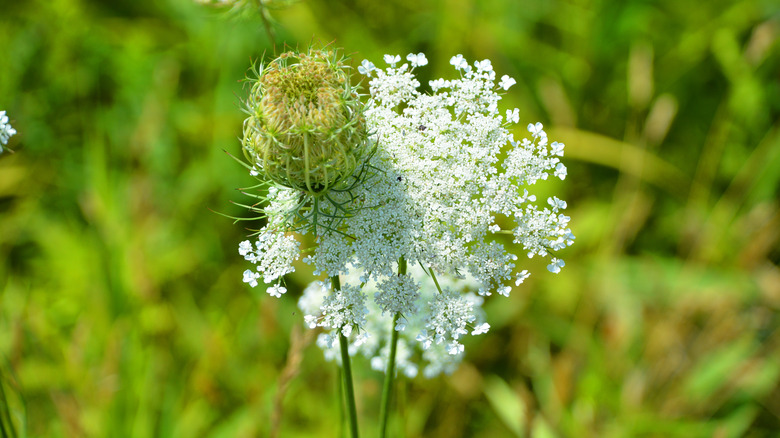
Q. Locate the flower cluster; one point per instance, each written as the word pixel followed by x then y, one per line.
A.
pixel 438 195
pixel 426 336
pixel 6 131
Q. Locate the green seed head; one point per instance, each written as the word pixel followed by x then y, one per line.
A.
pixel 306 128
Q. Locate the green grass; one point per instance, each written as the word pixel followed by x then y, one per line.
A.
pixel 123 314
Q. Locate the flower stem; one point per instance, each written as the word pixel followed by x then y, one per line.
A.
pixel 387 389
pixel 389 377
pixel 346 365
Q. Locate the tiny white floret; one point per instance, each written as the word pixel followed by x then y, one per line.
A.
pixel 417 60
pixel 557 148
pixel 506 82
pixel 481 329
pixel 276 290
pixel 556 265
pixel 459 62
pixel 392 59
pixel 560 171
pixel 366 67
pixel 251 277
pixel 536 129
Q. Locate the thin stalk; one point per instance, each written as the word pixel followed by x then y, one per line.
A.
pixel 387 389
pixel 342 415
pixel 346 365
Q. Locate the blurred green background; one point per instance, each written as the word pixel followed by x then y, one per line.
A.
pixel 122 311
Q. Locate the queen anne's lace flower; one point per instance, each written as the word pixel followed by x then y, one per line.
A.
pixel 6 131
pixel 274 255
pixel 397 294
pixel 343 310
pixel 372 338
pixel 435 186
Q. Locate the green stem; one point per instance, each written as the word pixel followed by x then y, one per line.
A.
pixel 387 389
pixel 435 281
pixel 340 390
pixel 389 377
pixel 346 365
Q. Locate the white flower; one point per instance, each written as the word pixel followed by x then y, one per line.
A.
pixel 366 67
pixel 397 294
pixel 446 172
pixel 483 66
pixel 556 204
pixel 373 339
pixel 417 60
pixel 6 131
pixel 344 310
pixel 521 276
pixel 557 148
pixel 506 82
pixel 536 129
pixel 455 348
pixel 459 62
pixel 245 248
pixel 276 290
pixel 251 277
pixel 438 84
pixel 560 171
pixel 481 329
pixel 556 265
pixel 274 254
pixel 392 59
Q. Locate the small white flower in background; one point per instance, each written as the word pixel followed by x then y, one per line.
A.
pixel 506 82
pixel 366 67
pixel 392 59
pixel 417 60
pixel 513 116
pixel 6 131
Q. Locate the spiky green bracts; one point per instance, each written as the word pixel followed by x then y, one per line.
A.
pixel 306 128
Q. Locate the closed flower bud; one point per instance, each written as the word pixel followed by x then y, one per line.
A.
pixel 306 128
